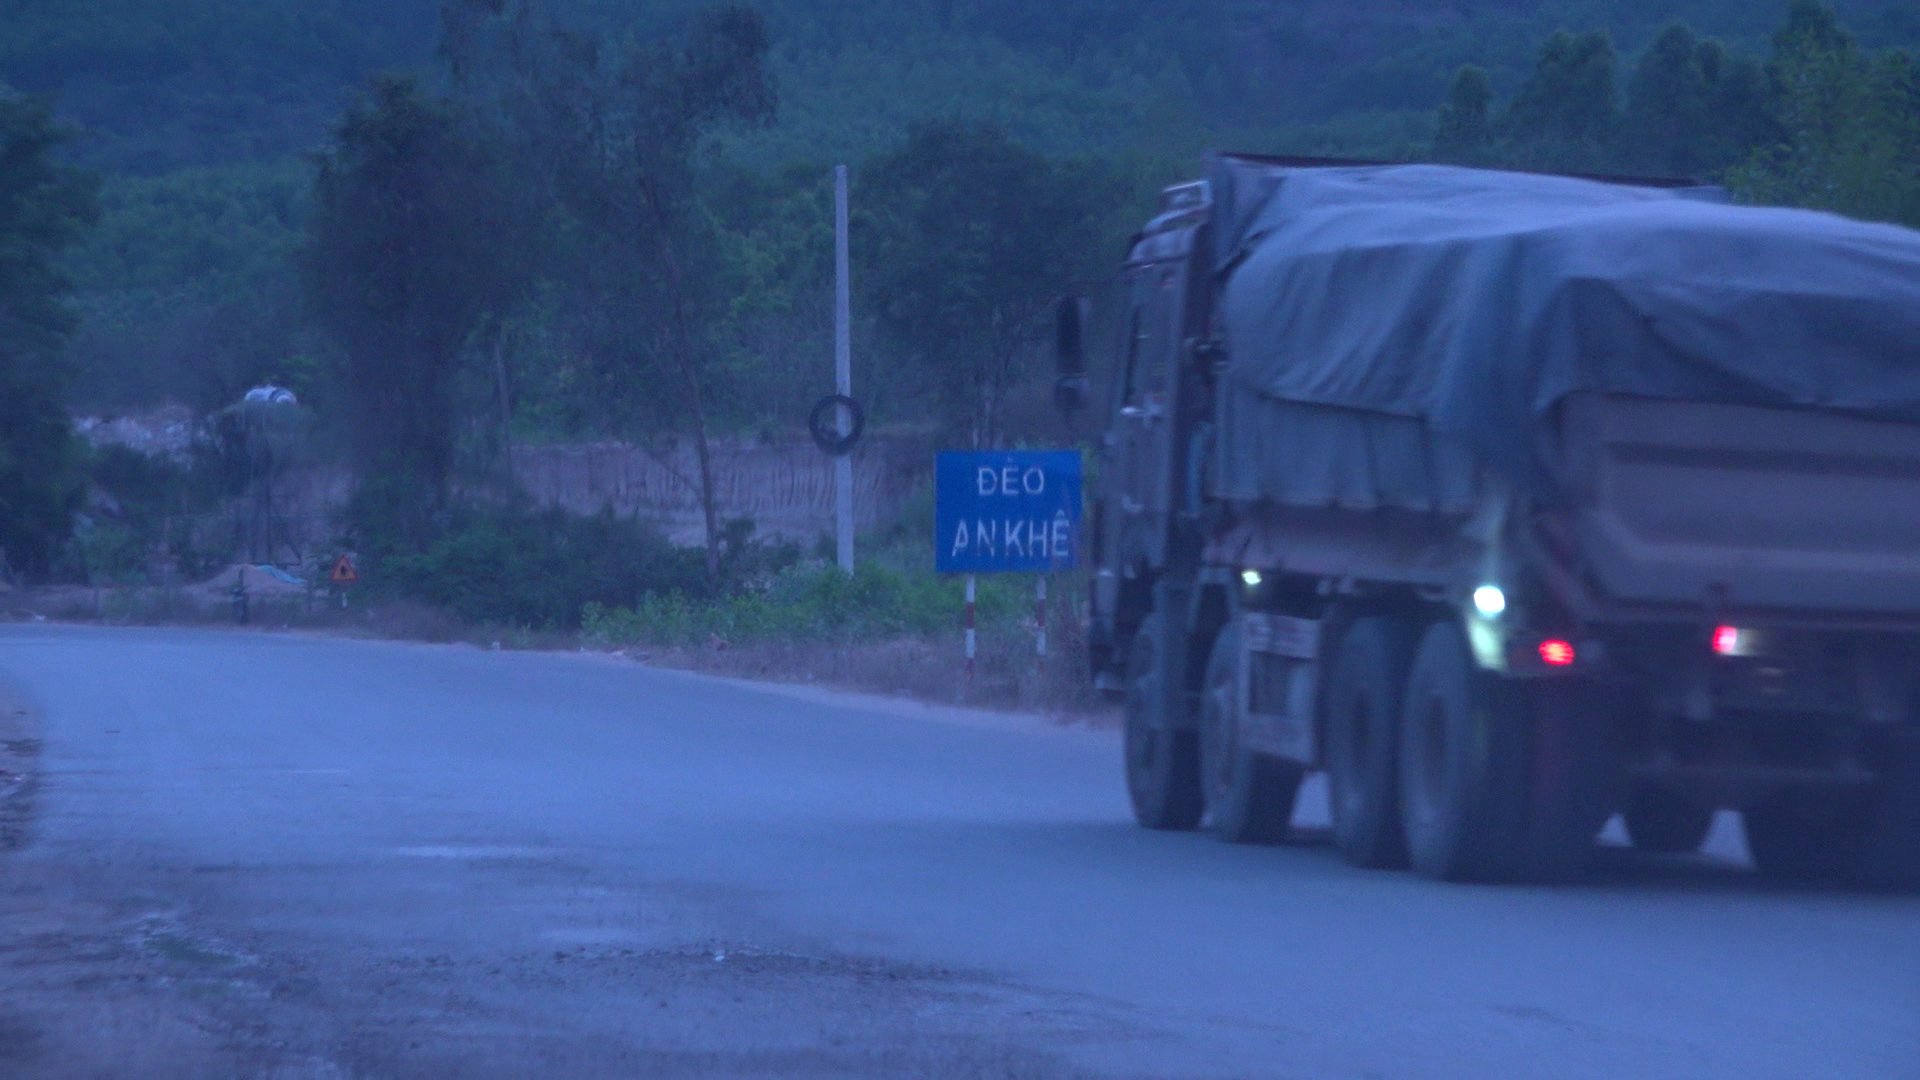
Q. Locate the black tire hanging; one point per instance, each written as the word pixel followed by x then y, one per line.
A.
pixel 1249 797
pixel 822 424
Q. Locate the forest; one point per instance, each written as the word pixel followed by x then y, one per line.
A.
pixel 616 218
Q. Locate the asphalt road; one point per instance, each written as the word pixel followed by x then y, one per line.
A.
pixel 281 856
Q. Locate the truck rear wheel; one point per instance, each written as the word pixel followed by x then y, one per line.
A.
pixel 1800 837
pixel 1888 855
pixel 1499 780
pixel 1249 797
pixel 1665 823
pixel 1362 741
pixel 1870 839
pixel 1163 763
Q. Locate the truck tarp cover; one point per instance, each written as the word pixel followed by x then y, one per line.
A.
pixel 1390 326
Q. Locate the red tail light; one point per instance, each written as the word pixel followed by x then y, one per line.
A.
pixel 1556 653
pixel 1726 640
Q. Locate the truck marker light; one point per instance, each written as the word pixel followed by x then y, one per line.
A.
pixel 1556 653
pixel 1251 578
pixel 1727 641
pixel 1490 601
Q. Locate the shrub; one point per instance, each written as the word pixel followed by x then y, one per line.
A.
pixel 540 569
pixel 139 506
pixel 108 553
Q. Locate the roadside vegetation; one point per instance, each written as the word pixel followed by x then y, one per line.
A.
pixel 454 226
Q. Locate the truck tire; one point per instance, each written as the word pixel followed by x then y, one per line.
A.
pixel 1802 838
pixel 1499 780
pixel 1361 733
pixel 1575 772
pixel 1664 823
pixel 1822 838
pixel 1163 763
pixel 1249 796
pixel 1887 855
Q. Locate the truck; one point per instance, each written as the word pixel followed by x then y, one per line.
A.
pixel 1510 502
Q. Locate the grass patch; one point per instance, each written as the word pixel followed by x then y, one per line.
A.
pixel 182 949
pixel 811 602
pixel 894 626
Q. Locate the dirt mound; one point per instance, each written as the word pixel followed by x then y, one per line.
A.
pixel 260 581
pixel 166 431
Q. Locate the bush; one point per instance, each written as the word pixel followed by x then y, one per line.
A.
pixel 108 553
pixel 541 569
pixel 139 506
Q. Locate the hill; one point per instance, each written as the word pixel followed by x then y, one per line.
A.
pixel 167 84
pixel 200 114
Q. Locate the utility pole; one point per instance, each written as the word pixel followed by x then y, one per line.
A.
pixel 843 369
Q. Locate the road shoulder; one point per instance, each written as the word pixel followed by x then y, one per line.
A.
pixel 20 736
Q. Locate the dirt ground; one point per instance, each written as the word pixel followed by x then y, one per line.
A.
pixel 1006 674
pixel 269 593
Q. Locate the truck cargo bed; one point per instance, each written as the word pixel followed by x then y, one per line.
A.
pixel 1742 507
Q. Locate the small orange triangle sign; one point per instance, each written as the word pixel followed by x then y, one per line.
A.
pixel 343 571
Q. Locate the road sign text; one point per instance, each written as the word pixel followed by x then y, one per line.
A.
pixel 1007 512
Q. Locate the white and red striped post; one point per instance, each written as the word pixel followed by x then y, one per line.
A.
pixel 1040 616
pixel 972 636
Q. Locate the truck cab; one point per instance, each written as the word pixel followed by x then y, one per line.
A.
pixel 1157 311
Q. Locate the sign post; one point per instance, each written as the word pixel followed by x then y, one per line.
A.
pixel 842 371
pixel 1040 617
pixel 1007 512
pixel 344 575
pixel 973 640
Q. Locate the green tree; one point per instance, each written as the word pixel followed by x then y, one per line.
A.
pixel 1739 116
pixel 1565 115
pixel 1851 121
pixel 412 243
pixel 186 287
pixel 1693 109
pixel 1668 106
pixel 44 207
pixel 974 237
pixel 1465 129
pixel 777 329
pixel 618 128
pixel 1812 31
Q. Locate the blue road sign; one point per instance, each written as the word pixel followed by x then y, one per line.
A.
pixel 1007 512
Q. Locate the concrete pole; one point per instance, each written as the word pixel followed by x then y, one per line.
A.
pixel 843 367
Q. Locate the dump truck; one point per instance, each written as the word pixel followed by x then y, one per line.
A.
pixel 1511 502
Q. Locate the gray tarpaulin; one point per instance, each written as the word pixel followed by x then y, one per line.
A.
pixel 1392 327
